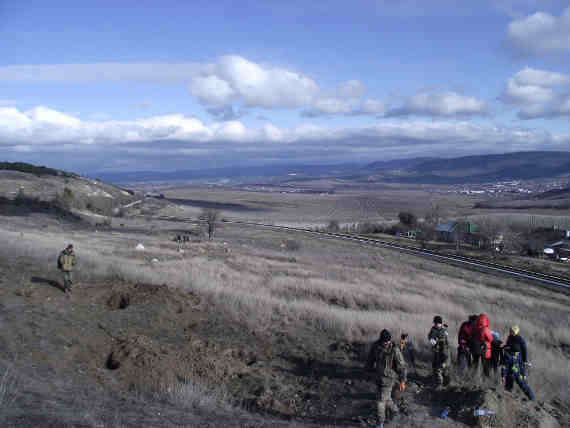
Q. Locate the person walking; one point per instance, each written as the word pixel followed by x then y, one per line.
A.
pixel 386 359
pixel 513 369
pixel 438 338
pixel 464 338
pixel 65 263
pixel 481 344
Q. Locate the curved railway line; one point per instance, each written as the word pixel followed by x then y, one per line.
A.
pixel 554 282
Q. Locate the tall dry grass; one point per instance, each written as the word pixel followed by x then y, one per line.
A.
pixel 8 388
pixel 332 288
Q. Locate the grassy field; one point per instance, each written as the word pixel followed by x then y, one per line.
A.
pixel 347 207
pixel 247 321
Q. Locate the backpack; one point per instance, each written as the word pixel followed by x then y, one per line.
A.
pixel 478 348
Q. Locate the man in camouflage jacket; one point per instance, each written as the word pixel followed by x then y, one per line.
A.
pixel 65 263
pixel 440 345
pixel 387 360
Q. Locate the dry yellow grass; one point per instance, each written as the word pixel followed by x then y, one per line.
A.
pixel 337 288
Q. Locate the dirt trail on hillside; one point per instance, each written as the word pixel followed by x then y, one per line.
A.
pixel 136 336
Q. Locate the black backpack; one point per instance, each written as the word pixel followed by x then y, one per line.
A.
pixel 478 348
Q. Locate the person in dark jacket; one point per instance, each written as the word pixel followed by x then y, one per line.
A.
pixel 513 369
pixel 496 351
pixel 514 336
pixel 386 359
pixel 438 338
pixel 66 263
pixel 408 349
pixel 481 344
pixel 464 338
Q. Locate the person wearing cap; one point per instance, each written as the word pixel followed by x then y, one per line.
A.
pixel 386 359
pixel 438 338
pixel 464 337
pixel 513 369
pixel 514 336
pixel 65 263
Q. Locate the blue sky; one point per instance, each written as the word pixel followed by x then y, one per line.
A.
pixel 133 85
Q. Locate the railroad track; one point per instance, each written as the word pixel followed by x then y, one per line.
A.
pixel 558 283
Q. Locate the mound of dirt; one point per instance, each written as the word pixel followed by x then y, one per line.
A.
pixel 124 295
pixel 510 411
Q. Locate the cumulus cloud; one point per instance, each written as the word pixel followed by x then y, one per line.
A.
pixel 46 130
pixel 540 34
pixel 444 104
pixel 348 107
pixel 351 89
pixel 233 78
pixel 538 93
pixel 221 86
pixel 224 113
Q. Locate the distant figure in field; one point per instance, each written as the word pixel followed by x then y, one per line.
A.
pixel 387 360
pixel 438 338
pixel 65 263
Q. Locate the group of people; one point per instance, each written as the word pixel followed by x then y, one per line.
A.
pixel 477 344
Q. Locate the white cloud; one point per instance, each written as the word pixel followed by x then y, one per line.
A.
pixel 444 104
pixel 351 89
pixel 541 34
pixel 329 105
pixel 538 93
pixel 373 107
pixel 44 130
pixel 230 82
pixel 348 107
pixel 532 76
pixel 233 78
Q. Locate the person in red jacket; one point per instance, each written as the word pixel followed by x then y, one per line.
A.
pixel 482 339
pixel 464 342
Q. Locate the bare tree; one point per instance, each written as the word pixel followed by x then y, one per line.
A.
pixel 492 231
pixel 210 216
pixel 433 214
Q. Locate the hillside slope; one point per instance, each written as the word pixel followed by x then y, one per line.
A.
pixel 35 186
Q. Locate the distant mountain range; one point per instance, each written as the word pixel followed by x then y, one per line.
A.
pixel 488 168
pixel 467 169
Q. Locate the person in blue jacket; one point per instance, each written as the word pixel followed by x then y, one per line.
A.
pixel 514 369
